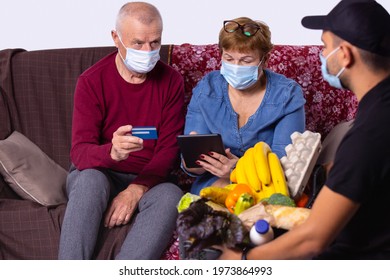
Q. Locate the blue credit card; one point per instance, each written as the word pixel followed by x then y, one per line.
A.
pixel 145 132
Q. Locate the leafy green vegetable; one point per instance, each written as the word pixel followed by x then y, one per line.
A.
pixel 280 199
pixel 186 201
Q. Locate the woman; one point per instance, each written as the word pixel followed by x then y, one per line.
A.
pixel 244 102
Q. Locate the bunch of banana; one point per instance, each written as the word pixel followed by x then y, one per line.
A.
pixel 277 174
pixel 260 168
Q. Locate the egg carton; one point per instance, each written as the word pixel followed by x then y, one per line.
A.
pixel 301 157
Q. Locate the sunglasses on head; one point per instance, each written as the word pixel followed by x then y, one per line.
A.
pixel 248 29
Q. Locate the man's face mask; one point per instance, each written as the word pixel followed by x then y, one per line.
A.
pixel 140 61
pixel 331 79
pixel 238 76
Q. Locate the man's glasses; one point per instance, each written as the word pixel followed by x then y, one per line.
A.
pixel 248 29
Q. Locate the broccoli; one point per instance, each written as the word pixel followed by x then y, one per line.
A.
pixel 279 199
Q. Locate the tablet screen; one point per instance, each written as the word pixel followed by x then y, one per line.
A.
pixel 193 145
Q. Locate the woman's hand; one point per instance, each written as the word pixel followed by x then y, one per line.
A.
pixel 198 171
pixel 217 164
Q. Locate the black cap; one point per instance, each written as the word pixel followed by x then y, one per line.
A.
pixel 363 23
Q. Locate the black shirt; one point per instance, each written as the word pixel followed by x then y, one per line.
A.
pixel 361 172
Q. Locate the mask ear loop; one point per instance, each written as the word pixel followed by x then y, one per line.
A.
pixel 332 52
pixel 120 40
pixel 340 72
pixel 262 69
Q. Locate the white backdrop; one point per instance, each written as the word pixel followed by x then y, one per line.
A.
pixel 45 24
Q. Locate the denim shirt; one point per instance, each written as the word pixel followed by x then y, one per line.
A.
pixel 280 113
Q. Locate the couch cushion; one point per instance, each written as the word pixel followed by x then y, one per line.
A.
pixel 30 172
pixel 29 230
pixel 4 117
pixel 7 106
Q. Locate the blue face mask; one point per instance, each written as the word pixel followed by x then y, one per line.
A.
pixel 140 61
pixel 238 76
pixel 334 81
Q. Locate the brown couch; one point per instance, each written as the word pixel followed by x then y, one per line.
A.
pixel 36 97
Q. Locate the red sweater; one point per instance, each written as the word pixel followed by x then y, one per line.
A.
pixel 104 101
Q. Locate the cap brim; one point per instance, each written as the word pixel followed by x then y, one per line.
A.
pixel 314 22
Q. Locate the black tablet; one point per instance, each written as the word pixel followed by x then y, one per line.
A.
pixel 193 145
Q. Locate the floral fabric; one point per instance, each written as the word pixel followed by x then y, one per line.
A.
pixel 172 252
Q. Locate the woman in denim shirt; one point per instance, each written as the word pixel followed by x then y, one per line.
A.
pixel 244 102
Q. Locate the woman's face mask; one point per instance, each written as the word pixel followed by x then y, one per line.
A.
pixel 238 76
pixel 331 79
pixel 140 61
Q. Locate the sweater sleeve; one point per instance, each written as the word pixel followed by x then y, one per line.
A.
pixel 87 150
pixel 166 153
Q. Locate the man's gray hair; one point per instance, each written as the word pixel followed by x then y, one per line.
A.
pixel 144 12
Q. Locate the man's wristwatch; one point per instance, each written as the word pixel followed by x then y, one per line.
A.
pixel 245 252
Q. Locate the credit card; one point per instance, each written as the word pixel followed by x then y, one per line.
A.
pixel 145 132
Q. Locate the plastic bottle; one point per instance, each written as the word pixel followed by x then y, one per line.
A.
pixel 261 232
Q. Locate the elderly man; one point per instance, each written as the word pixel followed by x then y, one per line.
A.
pixel 117 177
pixel 346 221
